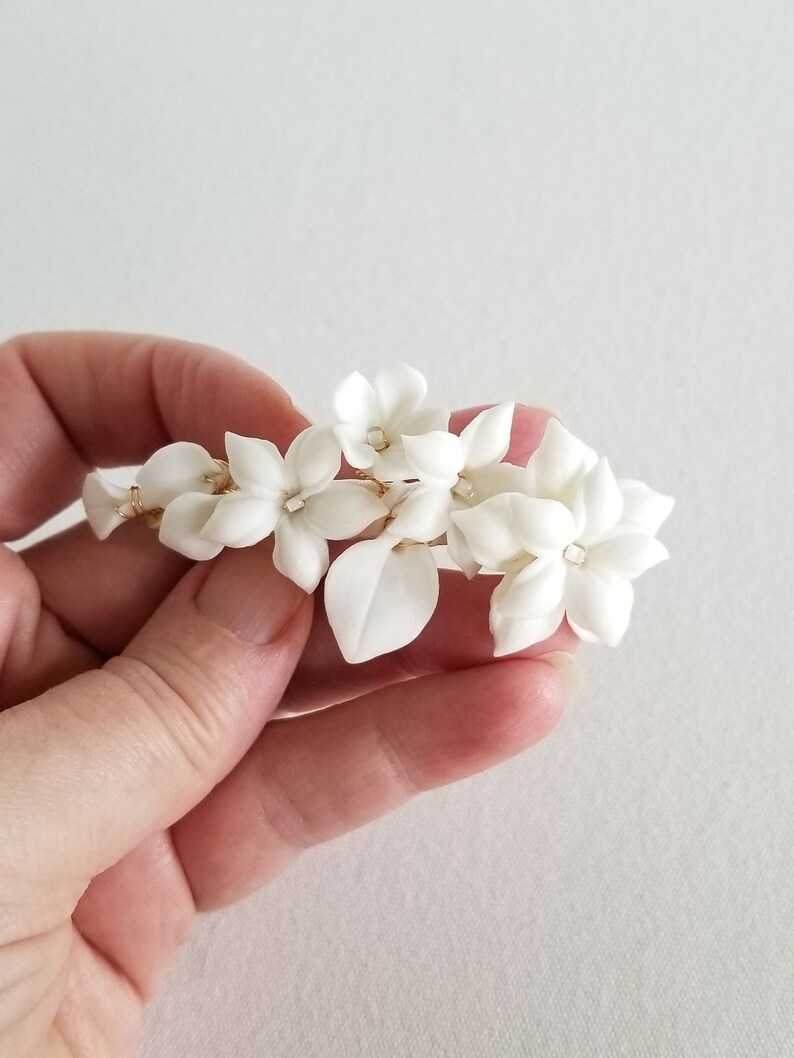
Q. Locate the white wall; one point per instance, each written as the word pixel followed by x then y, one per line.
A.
pixel 584 205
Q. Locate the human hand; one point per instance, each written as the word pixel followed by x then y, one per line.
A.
pixel 140 779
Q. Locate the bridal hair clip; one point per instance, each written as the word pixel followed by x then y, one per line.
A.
pixel 563 535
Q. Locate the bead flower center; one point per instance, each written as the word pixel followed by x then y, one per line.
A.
pixel 294 503
pixel 378 439
pixel 574 554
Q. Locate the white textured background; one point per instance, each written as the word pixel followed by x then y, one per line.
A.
pixel 585 205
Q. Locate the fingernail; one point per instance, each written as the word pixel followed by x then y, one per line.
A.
pixel 246 594
pixel 570 671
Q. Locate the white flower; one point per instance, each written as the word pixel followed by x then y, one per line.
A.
pixel 374 417
pixel 177 468
pixel 457 472
pixel 294 496
pixel 570 549
pixel 380 594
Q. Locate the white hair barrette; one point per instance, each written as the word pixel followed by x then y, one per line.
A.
pixel 565 537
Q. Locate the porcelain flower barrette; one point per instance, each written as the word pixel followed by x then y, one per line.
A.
pixel 563 536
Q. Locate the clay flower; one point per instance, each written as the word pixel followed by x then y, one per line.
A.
pixel 374 417
pixel 293 496
pixel 178 468
pixel 569 544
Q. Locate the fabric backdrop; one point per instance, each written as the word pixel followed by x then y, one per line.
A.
pixel 583 205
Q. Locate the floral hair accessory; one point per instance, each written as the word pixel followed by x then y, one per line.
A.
pixel 562 534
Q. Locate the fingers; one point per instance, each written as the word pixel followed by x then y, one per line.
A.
pixel 311 779
pixel 96 765
pixel 71 402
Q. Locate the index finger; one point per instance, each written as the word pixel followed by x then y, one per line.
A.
pixel 70 402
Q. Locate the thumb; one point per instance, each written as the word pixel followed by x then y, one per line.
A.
pixel 95 765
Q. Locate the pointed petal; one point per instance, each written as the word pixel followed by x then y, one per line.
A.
pixel 423 515
pixel 357 450
pixel 355 402
pixel 496 478
pixel 391 464
pixel 534 591
pixel 300 553
pixel 241 520
pixel 257 466
pixel 177 468
pixel 400 390
pixel 460 552
pixel 559 463
pixel 598 605
pixel 312 460
pixel 643 507
pixel 100 499
pixel 435 458
pixel 542 526
pixel 379 598
pixel 487 437
pixel 343 509
pixel 598 504
pixel 183 521
pixel 511 635
pixel 489 531
pixel 626 553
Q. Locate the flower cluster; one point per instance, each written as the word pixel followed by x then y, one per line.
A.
pixel 565 537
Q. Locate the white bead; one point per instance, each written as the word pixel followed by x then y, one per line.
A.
pixel 293 504
pixel 574 554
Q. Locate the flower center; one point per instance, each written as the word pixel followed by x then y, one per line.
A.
pixel 294 503
pixel 574 554
pixel 378 439
pixel 463 489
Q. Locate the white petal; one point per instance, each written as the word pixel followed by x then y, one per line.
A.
pixel 460 552
pixel 183 521
pixel 435 458
pixel 487 437
pixel 512 635
pixel 626 553
pixel 643 507
pixel 241 520
pixel 400 390
pixel 423 515
pixel 598 504
pixel 177 468
pixel 542 526
pixel 534 591
pixel 559 463
pixel 355 402
pixel 489 532
pixel 312 460
pixel 343 509
pixel 496 478
pixel 300 553
pixel 598 605
pixel 358 451
pixel 101 498
pixel 425 420
pixel 378 599
pixel 257 466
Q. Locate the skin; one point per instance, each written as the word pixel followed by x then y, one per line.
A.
pixel 142 779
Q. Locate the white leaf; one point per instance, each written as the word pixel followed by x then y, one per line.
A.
pixel 182 524
pixel 343 509
pixel 643 507
pixel 435 458
pixel 487 437
pixel 177 468
pixel 598 504
pixel 256 466
pixel 355 402
pixel 241 520
pixel 312 460
pixel 101 498
pixel 559 463
pixel 300 553
pixel 400 390
pixel 423 515
pixel 379 598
